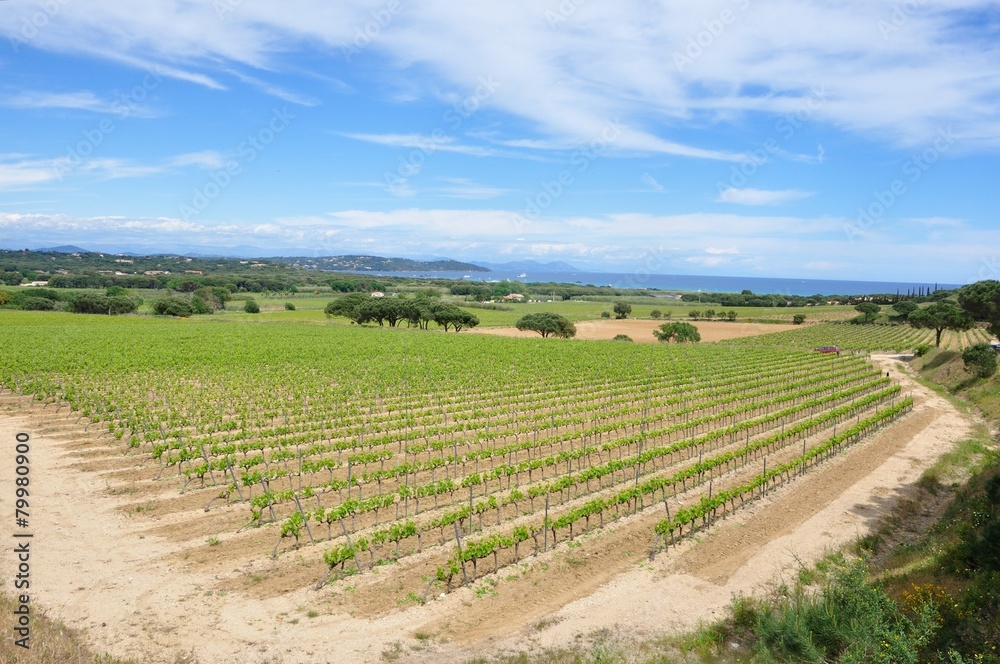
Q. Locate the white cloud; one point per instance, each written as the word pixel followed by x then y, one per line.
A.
pixel 428 144
pixel 722 250
pixel 83 101
pixel 466 188
pixel 207 159
pixel 568 78
pixel 751 196
pixel 651 182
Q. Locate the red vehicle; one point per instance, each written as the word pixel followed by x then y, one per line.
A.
pixel 828 349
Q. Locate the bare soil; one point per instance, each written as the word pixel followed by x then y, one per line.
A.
pixel 642 330
pixel 140 572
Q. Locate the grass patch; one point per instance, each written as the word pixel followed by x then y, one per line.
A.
pixel 50 640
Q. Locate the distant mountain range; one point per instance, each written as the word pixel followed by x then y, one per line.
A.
pixel 379 264
pixel 65 249
pixel 353 263
pixel 530 266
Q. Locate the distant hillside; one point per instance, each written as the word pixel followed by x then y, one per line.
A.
pixel 65 249
pixel 531 266
pixel 380 264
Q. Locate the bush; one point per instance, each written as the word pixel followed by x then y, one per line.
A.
pixel 291 307
pixel 605 314
pixel 922 350
pixel 622 310
pixel 655 313
pixel 798 319
pixel 171 305
pixel 90 303
pixel 622 337
pixel 251 307
pixel 37 304
pixel 980 359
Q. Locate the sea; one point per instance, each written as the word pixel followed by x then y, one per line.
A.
pixel 689 283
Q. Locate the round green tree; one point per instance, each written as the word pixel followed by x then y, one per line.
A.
pixel 680 332
pixel 547 324
pixel 622 310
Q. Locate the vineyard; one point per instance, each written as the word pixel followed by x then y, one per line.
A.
pixel 451 455
pixel 895 338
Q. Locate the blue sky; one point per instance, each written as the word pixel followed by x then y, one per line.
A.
pixel 842 140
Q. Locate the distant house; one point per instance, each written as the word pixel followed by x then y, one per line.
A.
pixel 36 284
pixel 378 294
pixel 193 272
pixel 513 297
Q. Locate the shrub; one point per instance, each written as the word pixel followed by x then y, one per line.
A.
pixel 171 305
pixel 980 359
pixel 922 350
pixel 251 307
pixel 605 314
pixel 622 337
pixel 91 303
pixel 655 313
pixel 37 304
pixel 798 319
pixel 291 307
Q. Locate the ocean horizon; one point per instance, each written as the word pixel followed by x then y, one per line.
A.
pixel 687 283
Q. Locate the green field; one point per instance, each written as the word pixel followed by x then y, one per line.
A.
pixel 387 439
pixel 897 338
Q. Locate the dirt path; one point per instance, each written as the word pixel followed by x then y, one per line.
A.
pixel 642 330
pixel 137 594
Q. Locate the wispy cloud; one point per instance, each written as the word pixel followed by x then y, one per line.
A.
pixel 467 189
pixel 751 196
pixel 568 78
pixel 79 101
pixel 428 144
pixel 651 182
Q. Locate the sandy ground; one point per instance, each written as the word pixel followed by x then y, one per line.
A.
pixel 139 594
pixel 642 330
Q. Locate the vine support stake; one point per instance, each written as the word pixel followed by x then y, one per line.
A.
pixel 349 544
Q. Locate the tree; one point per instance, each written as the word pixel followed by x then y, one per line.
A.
pixel 731 315
pixel 941 316
pixel 680 332
pixel 37 304
pixel 347 306
pixel 980 358
pixel 710 314
pixel 655 313
pixel 448 315
pixel 547 324
pixel 798 319
pixel 622 310
pixel 694 313
pixel 92 303
pixel 869 312
pixel 905 308
pixel 171 305
pixel 251 306
pixel 982 301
